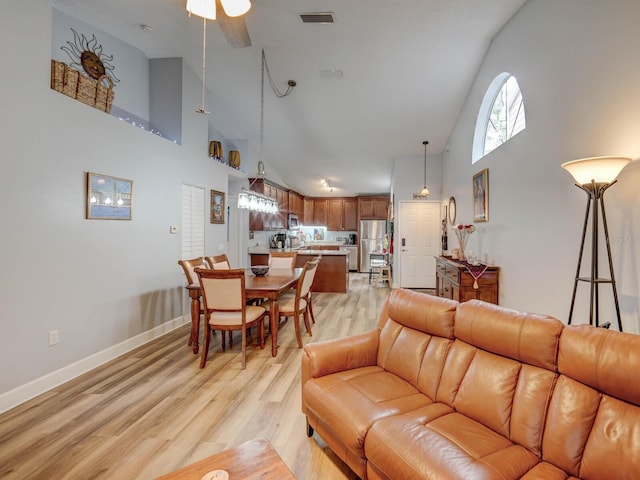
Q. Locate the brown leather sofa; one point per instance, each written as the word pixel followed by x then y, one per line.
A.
pixel 474 391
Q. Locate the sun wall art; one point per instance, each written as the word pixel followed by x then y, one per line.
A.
pixel 96 87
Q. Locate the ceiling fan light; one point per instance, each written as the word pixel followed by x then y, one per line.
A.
pixel 202 8
pixel 235 8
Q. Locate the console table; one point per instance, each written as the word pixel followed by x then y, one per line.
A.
pixel 455 281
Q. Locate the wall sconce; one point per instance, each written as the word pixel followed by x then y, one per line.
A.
pixel 594 176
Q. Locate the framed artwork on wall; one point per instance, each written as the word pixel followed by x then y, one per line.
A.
pixel 109 198
pixel 481 196
pixel 217 206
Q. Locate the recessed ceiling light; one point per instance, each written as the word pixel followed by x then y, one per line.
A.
pixel 146 28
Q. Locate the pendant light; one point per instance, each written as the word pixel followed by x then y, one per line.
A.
pixel 424 193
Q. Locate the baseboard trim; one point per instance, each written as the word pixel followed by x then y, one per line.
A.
pixel 23 393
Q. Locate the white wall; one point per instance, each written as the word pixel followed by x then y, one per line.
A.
pixel 577 64
pixel 99 283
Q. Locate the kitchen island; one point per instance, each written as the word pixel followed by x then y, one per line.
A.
pixel 333 269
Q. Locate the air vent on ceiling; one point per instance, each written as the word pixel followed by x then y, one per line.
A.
pixel 317 17
pixel 331 74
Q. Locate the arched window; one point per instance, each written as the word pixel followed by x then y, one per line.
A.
pixel 501 115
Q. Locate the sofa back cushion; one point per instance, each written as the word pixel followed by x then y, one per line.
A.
pixel 415 330
pixel 525 337
pixel 501 369
pixel 593 425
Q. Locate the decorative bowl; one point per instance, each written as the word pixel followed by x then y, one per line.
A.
pixel 259 270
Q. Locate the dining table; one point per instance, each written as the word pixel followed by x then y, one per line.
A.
pixel 269 286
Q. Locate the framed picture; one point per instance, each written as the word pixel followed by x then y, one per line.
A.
pixel 481 196
pixel 217 206
pixel 109 198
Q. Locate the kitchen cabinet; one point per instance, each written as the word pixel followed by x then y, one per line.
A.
pixel 342 214
pixel 455 281
pixel 376 208
pixel 308 211
pixel 320 211
pixel 267 221
pixel 350 214
pixel 296 205
pixel 315 212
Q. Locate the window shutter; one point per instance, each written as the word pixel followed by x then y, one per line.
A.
pixel 192 221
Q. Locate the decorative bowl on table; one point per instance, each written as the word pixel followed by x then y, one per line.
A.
pixel 259 270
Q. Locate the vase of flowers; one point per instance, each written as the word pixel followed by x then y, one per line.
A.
pixel 463 232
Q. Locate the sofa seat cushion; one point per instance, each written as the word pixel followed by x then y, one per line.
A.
pixel 547 471
pixel 346 404
pixel 450 446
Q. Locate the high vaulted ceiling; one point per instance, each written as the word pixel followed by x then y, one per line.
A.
pixel 406 65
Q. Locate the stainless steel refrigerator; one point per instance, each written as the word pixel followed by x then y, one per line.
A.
pixel 372 234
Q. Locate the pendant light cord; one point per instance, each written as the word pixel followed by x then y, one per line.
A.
pixel 290 84
pixel 425 143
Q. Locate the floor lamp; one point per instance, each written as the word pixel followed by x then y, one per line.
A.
pixel 595 176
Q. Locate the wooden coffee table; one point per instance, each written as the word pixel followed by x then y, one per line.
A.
pixel 253 460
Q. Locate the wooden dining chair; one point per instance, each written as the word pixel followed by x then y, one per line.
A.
pixel 218 262
pixel 282 259
pixel 225 309
pixel 298 304
pixel 189 266
pixel 290 295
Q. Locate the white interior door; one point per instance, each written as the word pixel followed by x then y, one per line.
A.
pixel 418 243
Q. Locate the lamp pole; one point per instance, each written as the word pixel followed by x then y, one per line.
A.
pixel 595 194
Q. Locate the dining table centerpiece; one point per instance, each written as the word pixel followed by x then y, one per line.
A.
pixel 463 232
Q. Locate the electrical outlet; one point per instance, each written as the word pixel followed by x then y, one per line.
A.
pixel 54 337
pixel 221 247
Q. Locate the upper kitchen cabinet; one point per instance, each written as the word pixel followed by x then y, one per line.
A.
pixel 320 211
pixel 373 207
pixel 315 211
pixel 342 214
pixel 267 221
pixel 296 205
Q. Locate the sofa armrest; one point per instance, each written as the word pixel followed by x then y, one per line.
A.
pixel 324 358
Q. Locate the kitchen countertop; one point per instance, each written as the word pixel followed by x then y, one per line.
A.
pixel 264 249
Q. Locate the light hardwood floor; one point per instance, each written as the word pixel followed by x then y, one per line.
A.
pixel 153 410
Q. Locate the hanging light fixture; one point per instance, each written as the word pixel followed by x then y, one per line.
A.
pixel 247 198
pixel 424 193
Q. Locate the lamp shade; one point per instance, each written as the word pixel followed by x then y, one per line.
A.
pixel 235 8
pixel 202 8
pixel 596 169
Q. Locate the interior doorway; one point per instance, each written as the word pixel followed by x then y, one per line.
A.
pixel 418 242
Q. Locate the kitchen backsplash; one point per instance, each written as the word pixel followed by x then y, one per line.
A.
pixel 314 233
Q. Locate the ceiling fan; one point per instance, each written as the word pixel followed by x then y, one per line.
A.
pixel 229 14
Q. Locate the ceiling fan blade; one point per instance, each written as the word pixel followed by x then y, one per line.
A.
pixel 233 28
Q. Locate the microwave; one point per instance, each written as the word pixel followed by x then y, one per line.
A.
pixel 293 221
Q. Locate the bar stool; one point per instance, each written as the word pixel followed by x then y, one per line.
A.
pixel 376 262
pixel 385 274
